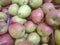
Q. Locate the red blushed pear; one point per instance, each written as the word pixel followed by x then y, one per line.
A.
pixel 30 26
pixel 37 15
pixel 44 30
pixel 25 42
pixel 16 30
pixel 47 7
pixel 6 39
pixel 53 18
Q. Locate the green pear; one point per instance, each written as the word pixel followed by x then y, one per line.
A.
pixel 13 9
pixel 34 38
pixel 18 20
pixel 24 11
pixel 22 2
pixel 57 37
pixel 3 16
pixel 35 3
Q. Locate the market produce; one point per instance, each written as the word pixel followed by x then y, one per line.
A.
pixel 34 38
pixel 30 26
pixel 53 18
pixel 29 22
pixel 6 39
pixel 23 2
pixel 18 20
pixel 24 11
pixel 37 15
pixel 3 27
pixel 44 30
pixel 13 9
pixel 3 16
pixel 46 7
pixel 35 3
pixel 57 37
pixel 16 30
pixel 25 43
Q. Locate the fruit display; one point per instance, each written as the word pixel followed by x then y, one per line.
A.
pixel 29 22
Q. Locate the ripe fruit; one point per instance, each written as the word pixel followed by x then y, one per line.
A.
pixel 47 7
pixel 57 37
pixel 18 20
pixel 35 3
pixel 19 40
pixel 37 15
pixel 14 1
pixel 53 18
pixel 47 1
pixel 25 42
pixel 13 9
pixel 56 1
pixel 6 39
pixel 16 30
pixel 30 26
pixel 44 30
pixel 34 38
pixel 24 11
pixel 23 2
pixel 3 16
pixel 3 27
pixel 5 2
pixel 45 39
